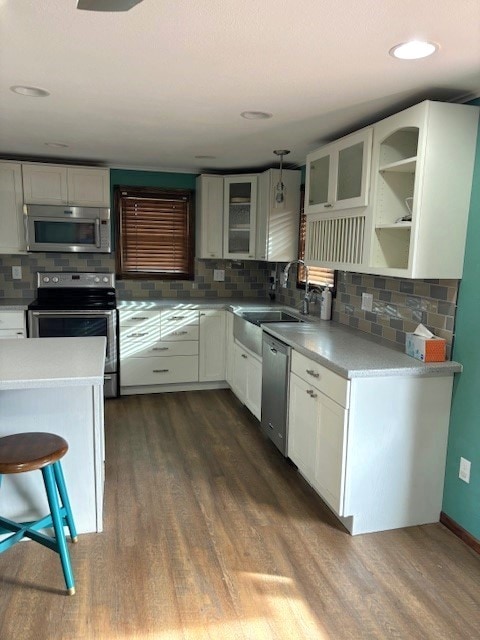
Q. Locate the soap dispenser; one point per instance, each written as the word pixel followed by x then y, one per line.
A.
pixel 326 304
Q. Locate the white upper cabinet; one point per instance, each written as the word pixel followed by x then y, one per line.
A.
pixel 12 233
pixel 338 175
pixel 209 216
pixel 277 223
pixel 58 184
pixel 240 216
pixel 422 169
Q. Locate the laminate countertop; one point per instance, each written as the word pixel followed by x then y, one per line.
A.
pixel 353 354
pixel 51 362
pixel 14 304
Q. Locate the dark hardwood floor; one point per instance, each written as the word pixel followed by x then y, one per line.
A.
pixel 211 534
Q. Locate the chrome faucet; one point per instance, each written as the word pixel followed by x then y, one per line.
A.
pixel 305 303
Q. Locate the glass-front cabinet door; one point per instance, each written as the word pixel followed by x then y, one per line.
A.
pixel 338 175
pixel 240 200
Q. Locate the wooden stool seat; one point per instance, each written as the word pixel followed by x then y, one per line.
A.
pixel 24 452
pixel 29 451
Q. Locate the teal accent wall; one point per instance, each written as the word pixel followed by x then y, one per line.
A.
pixel 161 179
pixel 461 501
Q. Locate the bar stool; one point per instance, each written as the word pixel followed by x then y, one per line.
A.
pixel 24 452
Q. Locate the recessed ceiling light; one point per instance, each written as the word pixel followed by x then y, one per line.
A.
pixel 256 115
pixel 31 92
pixel 57 145
pixel 413 50
pixel 205 157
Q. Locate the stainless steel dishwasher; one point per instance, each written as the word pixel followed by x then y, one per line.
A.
pixel 275 374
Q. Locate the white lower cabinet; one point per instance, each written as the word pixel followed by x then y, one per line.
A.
pixel 166 347
pixel 247 379
pixel 12 324
pixel 230 350
pixel 212 345
pixel 374 448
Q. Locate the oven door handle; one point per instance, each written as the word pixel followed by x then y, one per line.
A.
pixel 72 312
pixel 97 232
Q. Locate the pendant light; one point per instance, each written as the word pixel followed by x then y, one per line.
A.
pixel 280 188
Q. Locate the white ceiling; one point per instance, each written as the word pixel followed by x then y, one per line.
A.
pixel 166 81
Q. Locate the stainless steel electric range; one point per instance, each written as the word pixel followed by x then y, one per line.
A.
pixel 78 305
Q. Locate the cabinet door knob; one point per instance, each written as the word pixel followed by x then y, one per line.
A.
pixel 313 373
pixel 244 356
pixel 311 393
pixel 327 205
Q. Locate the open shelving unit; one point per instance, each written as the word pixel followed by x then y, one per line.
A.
pixel 395 198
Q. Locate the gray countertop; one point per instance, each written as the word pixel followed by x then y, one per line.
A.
pixel 51 362
pixel 14 304
pixel 353 354
pixel 348 352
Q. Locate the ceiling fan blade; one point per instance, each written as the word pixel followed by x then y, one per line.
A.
pixel 107 5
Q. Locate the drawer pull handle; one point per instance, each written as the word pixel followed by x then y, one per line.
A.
pixel 179 333
pixel 160 348
pixel 177 318
pixel 313 373
pixel 328 205
pixel 244 356
pixel 311 393
pixel 273 350
pixel 137 335
pixel 160 370
pixel 139 318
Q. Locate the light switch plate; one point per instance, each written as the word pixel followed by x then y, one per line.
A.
pixel 17 273
pixel 464 471
pixel 219 275
pixel 367 301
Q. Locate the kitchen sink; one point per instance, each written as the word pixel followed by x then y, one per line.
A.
pixel 247 330
pixel 259 317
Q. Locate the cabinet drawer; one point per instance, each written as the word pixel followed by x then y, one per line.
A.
pixel 138 348
pixel 12 333
pixel 173 331
pixel 180 317
pixel 318 376
pixel 133 317
pixel 12 320
pixel 159 370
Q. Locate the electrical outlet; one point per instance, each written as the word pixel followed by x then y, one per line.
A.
pixel 17 273
pixel 367 301
pixel 219 275
pixel 464 471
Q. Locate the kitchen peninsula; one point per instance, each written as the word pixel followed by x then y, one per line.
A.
pixel 56 385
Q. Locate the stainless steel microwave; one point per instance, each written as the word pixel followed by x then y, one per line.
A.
pixel 71 229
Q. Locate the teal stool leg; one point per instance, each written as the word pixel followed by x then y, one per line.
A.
pixel 57 520
pixel 62 490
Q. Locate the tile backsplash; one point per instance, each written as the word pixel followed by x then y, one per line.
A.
pixel 243 279
pixel 398 305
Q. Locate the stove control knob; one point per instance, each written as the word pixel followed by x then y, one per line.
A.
pixel 46 279
pixel 97 279
pixel 105 279
pixel 54 279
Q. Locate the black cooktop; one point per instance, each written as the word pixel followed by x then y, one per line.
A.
pixel 68 299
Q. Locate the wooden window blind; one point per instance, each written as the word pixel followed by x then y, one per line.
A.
pixel 316 275
pixel 155 233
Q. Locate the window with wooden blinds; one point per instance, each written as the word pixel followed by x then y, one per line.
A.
pixel 155 233
pixel 316 275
